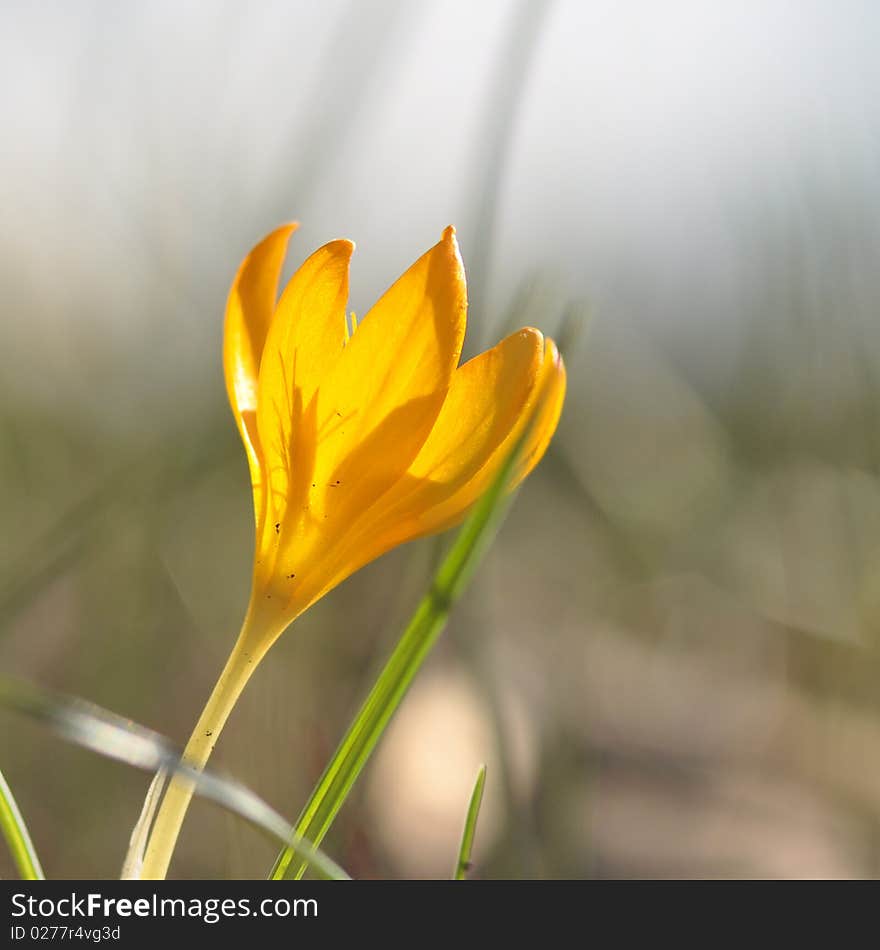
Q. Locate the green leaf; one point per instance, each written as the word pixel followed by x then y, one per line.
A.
pixel 87 725
pixel 470 827
pixel 426 625
pixel 16 834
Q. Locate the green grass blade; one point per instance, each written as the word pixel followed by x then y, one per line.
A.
pixel 463 864
pixel 421 633
pixel 16 834
pixel 87 725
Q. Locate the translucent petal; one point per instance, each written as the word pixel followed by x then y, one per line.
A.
pixel 494 396
pixel 303 344
pixel 491 398
pixel 378 403
pixel 249 312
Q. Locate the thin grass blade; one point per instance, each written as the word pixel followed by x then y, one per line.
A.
pixel 463 865
pixel 17 837
pixel 114 737
pixel 137 844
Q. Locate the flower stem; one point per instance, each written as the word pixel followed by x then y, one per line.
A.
pixel 249 649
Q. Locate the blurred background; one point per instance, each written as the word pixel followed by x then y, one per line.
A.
pixel 670 660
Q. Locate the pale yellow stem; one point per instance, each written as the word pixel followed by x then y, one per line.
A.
pixel 251 646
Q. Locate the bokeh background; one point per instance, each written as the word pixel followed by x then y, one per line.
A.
pixel 670 660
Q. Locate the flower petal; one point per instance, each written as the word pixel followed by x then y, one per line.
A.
pixel 541 413
pixel 304 342
pixel 249 312
pixel 521 377
pixel 491 399
pixel 378 403
pixel 408 344
pixel 553 384
pixel 486 399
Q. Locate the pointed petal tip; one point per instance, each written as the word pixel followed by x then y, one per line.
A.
pixel 548 345
pixel 448 246
pixel 449 240
pixel 266 251
pixel 532 333
pixel 344 245
pixel 282 232
pixel 340 247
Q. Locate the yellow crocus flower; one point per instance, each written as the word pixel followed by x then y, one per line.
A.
pixel 357 441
